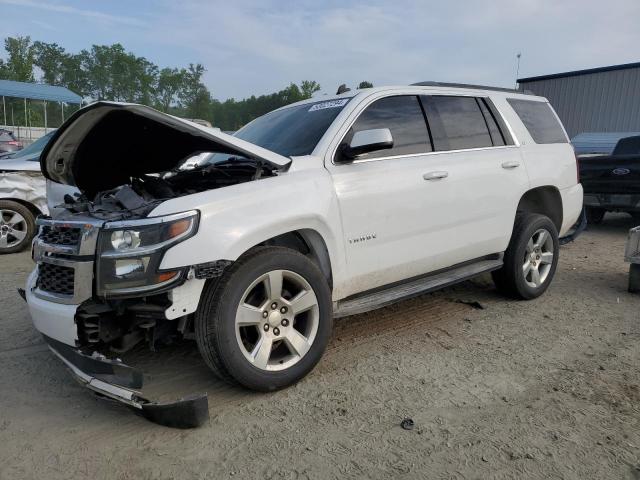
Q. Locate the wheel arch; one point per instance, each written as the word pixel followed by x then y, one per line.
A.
pixel 545 200
pixel 307 241
pixel 32 208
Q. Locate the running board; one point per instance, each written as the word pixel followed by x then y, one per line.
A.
pixel 435 281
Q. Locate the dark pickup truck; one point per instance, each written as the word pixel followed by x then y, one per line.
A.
pixel 611 183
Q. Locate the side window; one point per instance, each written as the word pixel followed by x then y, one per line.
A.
pixel 539 119
pixel 494 131
pixel 456 123
pixel 403 116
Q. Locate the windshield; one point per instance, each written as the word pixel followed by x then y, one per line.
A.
pixel 35 147
pixel 292 131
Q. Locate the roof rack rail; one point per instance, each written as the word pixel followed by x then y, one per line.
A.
pixel 465 85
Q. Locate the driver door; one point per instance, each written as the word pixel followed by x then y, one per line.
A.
pixel 385 203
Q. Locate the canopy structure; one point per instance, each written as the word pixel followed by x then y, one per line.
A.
pixel 37 91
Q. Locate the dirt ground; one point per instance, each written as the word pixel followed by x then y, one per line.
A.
pixel 543 389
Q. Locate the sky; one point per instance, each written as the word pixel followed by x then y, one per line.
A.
pixel 252 47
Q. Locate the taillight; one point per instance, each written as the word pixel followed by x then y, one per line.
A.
pixel 13 142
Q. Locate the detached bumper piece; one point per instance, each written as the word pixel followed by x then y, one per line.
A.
pixel 117 381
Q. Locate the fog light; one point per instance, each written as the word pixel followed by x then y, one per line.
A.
pixel 125 239
pixel 130 267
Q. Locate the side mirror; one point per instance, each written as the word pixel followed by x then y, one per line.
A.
pixel 366 141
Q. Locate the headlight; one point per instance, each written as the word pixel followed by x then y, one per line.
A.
pixel 130 252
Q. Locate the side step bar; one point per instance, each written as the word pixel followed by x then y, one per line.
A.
pixel 388 295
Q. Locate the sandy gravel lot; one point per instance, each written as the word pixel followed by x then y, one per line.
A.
pixel 542 389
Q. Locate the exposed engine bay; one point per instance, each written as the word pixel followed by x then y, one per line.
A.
pixel 152 160
pixel 143 193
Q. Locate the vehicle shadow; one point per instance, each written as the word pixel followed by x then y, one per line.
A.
pixel 177 370
pixel 614 223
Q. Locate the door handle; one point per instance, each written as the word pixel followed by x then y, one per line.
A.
pixel 435 175
pixel 511 164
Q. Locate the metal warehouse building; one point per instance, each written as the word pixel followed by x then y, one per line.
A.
pixel 605 99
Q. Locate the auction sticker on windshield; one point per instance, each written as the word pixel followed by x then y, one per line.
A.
pixel 330 104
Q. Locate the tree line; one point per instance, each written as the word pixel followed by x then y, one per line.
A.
pixel 109 72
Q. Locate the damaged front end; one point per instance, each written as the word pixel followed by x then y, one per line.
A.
pixel 97 292
pixel 114 380
pixel 98 289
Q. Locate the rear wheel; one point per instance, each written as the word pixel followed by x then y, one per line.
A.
pixel 530 259
pixel 267 322
pixel 17 226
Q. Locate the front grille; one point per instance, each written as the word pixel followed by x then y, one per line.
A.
pixel 67 236
pixel 55 278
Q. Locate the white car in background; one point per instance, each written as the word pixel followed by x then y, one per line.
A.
pixel 320 209
pixel 22 196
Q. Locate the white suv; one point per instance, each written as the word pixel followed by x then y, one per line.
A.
pixel 324 208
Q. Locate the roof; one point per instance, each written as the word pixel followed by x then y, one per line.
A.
pixel 464 85
pixel 38 91
pixel 575 73
pixel 598 142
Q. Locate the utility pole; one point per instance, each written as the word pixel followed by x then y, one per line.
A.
pixel 517 70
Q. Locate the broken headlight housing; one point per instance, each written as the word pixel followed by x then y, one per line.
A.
pixel 130 253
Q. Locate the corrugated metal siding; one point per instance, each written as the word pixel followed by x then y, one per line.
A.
pixel 594 102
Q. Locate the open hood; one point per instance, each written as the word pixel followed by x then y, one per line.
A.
pixel 105 144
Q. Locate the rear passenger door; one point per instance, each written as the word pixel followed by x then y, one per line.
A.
pixel 485 177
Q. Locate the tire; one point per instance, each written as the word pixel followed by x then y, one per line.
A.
pixel 17 227
pixel 539 253
pixel 236 353
pixel 595 215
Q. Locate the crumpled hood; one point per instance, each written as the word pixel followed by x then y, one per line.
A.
pixel 105 144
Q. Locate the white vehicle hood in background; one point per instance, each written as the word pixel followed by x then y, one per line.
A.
pixel 105 144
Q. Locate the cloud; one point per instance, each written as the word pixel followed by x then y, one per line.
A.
pixel 258 46
pixel 89 14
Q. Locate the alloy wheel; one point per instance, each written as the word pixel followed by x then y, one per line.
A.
pixel 538 258
pixel 277 320
pixel 13 228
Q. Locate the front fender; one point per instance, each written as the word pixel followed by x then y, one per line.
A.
pixel 236 218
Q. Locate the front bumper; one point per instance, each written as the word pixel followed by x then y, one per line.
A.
pixel 117 381
pixel 54 320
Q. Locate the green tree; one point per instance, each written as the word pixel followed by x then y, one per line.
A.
pixel 170 82
pixel 194 96
pixel 20 58
pixel 365 84
pixel 50 59
pixel 309 87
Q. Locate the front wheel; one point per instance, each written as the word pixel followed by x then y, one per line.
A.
pixel 531 258
pixel 266 323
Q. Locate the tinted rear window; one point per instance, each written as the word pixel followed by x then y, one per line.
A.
pixel 539 119
pixel 456 123
pixel 6 137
